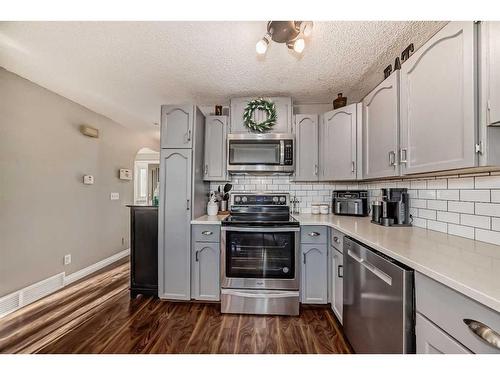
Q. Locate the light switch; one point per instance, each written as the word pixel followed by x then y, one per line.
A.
pixel 88 179
pixel 115 196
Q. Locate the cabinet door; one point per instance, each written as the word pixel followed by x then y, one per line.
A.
pixel 306 148
pixel 314 287
pixel 380 129
pixel 177 126
pixel 206 259
pixel 338 144
pixel 174 224
pixel 438 122
pixel 215 148
pixel 338 274
pixel 490 46
pixel 432 340
pixel 283 114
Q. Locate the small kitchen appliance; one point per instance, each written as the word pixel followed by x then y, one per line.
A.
pixel 394 209
pixel 350 202
pixel 260 256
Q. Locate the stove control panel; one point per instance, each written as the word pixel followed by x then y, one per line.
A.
pixel 247 199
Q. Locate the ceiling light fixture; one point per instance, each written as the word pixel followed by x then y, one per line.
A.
pixel 291 33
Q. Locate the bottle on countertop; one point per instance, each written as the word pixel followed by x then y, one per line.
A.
pixel 156 194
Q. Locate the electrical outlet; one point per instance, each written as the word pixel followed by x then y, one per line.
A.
pixel 67 259
pixel 114 196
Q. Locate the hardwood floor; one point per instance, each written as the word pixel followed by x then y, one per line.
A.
pixel 98 316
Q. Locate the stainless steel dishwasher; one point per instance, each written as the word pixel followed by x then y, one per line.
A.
pixel 378 301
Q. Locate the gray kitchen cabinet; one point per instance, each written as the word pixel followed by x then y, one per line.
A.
pixel 430 339
pixel 438 112
pixel 314 287
pixel 306 148
pixel 215 148
pixel 206 271
pixel 380 132
pixel 284 109
pixel 338 283
pixel 177 126
pixel 338 144
pixel 174 240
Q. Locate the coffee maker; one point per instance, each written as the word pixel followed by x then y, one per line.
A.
pixel 393 209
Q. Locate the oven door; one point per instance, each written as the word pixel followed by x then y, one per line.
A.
pixel 260 257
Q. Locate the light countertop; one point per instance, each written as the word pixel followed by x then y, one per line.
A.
pixel 206 219
pixel 467 266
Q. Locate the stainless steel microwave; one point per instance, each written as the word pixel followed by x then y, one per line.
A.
pixel 261 153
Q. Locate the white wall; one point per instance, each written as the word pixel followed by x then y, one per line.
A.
pixel 45 210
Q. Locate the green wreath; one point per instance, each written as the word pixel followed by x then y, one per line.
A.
pixel 264 105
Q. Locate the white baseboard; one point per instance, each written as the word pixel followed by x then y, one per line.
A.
pixel 34 292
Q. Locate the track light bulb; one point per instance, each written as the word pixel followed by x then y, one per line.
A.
pixel 298 45
pixel 261 46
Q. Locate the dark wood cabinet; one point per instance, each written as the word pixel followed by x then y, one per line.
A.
pixel 143 250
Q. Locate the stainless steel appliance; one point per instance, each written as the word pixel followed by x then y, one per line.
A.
pixel 378 302
pixel 260 256
pixel 262 153
pixel 350 202
pixel 394 208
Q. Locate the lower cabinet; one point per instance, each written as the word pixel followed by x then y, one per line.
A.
pixel 432 340
pixel 314 274
pixel 337 282
pixel 205 267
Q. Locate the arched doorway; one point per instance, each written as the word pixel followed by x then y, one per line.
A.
pixel 146 175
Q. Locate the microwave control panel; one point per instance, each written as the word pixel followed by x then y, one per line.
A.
pixel 288 160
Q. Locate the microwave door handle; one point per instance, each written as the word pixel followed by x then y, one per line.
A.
pixel 282 152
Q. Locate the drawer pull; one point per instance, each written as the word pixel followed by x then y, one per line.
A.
pixel 484 332
pixel 314 234
pixel 207 233
pixel 339 268
pixel 196 258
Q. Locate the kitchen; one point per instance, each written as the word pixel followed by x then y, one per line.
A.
pixel 359 207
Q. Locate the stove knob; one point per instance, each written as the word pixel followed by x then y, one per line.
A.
pixel 275 199
pixel 282 199
pixel 244 199
pixel 237 199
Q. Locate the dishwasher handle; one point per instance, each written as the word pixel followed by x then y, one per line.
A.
pixel 370 267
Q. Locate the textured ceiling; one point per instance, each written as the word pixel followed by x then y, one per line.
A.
pixel 126 70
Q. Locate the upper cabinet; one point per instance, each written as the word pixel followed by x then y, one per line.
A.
pixel 438 116
pixel 381 129
pixel 490 69
pixel 306 148
pixel 338 144
pixel 284 111
pixel 215 148
pixel 177 126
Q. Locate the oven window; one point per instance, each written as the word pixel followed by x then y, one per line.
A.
pixel 260 255
pixel 244 152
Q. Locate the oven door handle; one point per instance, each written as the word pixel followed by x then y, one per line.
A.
pixel 261 229
pixel 240 293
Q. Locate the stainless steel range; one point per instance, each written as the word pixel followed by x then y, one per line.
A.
pixel 260 256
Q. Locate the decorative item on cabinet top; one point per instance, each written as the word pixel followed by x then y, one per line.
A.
pixel 340 102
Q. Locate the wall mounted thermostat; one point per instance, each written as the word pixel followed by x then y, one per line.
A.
pixel 125 174
pixel 88 179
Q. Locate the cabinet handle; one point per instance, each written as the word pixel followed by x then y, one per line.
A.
pixel 402 159
pixel 315 169
pixel 484 332
pixel 353 166
pixel 336 239
pixel 189 135
pixel 314 234
pixel 340 268
pixel 207 233
pixel 206 168
pixel 187 204
pixel 196 255
pixel 304 258
pixel 392 158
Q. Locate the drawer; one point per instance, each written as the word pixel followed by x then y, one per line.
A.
pixel 206 233
pixel 337 239
pixel 432 340
pixel 447 309
pixel 313 234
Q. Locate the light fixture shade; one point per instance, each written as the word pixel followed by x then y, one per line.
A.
pixel 298 45
pixel 261 46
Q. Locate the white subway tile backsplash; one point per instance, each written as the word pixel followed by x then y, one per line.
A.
pixel 440 183
pixel 475 221
pixel 488 209
pixel 427 214
pixel 437 205
pixel 461 183
pixel 421 223
pixel 449 217
pixel 449 195
pixel 418 184
pixel 427 194
pixel 460 230
pixel 464 207
pixel 418 203
pixel 437 226
pixel 495 223
pixel 495 196
pixel 488 236
pixel 487 182
pixel 475 195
